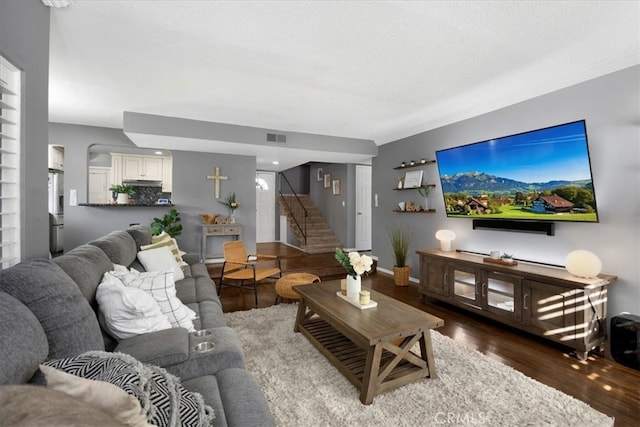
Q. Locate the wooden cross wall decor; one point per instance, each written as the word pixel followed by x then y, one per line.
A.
pixel 217 178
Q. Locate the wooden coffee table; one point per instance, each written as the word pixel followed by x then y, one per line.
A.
pixel 371 347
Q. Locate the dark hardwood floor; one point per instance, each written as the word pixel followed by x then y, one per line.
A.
pixel 607 386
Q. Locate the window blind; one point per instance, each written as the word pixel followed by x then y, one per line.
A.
pixel 9 164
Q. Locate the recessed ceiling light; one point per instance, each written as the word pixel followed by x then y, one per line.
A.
pixel 159 152
pixel 275 162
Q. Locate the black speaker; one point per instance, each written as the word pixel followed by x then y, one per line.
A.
pixel 625 340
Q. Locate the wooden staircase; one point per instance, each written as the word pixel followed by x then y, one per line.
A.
pixel 320 237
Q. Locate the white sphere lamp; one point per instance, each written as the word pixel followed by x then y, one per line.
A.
pixel 583 263
pixel 445 237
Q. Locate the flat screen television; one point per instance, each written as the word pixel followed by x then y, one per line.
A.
pixel 540 175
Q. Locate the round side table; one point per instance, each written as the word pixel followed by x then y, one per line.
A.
pixel 285 284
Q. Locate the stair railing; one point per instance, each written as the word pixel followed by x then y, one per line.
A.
pixel 294 206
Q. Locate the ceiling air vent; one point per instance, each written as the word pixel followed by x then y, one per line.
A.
pixel 277 138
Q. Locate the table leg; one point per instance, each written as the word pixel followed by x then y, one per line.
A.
pixel 302 308
pixel 427 353
pixel 370 376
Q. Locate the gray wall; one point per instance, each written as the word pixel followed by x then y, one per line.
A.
pixel 611 109
pixel 193 194
pixel 340 218
pixel 24 41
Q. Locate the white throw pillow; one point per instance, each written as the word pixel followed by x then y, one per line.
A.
pixel 166 240
pixel 128 312
pixel 161 286
pixel 160 259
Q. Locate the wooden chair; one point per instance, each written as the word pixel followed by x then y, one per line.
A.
pixel 237 267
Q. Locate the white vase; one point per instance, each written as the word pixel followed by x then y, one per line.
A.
pixel 233 218
pixel 123 199
pixel 354 285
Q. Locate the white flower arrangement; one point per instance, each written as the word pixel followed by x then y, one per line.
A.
pixel 354 263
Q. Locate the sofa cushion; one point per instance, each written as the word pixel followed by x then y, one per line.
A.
pixel 85 264
pixel 235 397
pixel 68 321
pixel 128 311
pixel 99 394
pixel 119 247
pixel 195 289
pixel 163 399
pixel 23 343
pixel 141 234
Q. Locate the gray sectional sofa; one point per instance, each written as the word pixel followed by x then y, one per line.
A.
pixel 49 311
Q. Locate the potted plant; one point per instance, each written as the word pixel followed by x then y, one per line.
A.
pixel 400 239
pixel 122 192
pixel 169 222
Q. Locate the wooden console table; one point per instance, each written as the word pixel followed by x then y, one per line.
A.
pixel 218 230
pixel 372 347
pixel 543 300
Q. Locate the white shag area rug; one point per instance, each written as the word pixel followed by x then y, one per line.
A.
pixel 304 389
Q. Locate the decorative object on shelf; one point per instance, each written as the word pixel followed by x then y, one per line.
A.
pixel 424 192
pixel 423 161
pixel 399 183
pixel 327 180
pixel 403 164
pixel 495 254
pixel 209 218
pixel 217 178
pixel 413 179
pixel 445 237
pixel 231 204
pixel 412 163
pixel 400 239
pixel 335 187
pixel 169 222
pixel 402 206
pixel 506 257
pixel 583 263
pixel 122 192
pixel 356 265
pixel 509 263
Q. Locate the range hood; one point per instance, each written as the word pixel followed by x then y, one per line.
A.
pixel 142 182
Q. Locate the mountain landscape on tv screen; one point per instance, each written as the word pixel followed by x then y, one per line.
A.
pixel 478 183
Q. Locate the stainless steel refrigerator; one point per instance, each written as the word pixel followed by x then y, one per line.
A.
pixel 56 211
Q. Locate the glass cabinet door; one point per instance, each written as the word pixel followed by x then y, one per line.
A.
pixel 501 294
pixel 464 286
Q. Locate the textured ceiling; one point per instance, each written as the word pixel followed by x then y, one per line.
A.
pixel 373 70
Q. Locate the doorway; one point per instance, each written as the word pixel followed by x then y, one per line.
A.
pixel 363 207
pixel 265 207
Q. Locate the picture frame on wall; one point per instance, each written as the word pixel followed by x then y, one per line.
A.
pixel 320 175
pixel 413 179
pixel 335 187
pixel 327 180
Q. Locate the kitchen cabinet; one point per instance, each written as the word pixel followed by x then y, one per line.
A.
pixel 543 300
pixel 56 157
pixel 142 167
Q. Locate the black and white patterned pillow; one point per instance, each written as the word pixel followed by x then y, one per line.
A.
pixel 162 397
